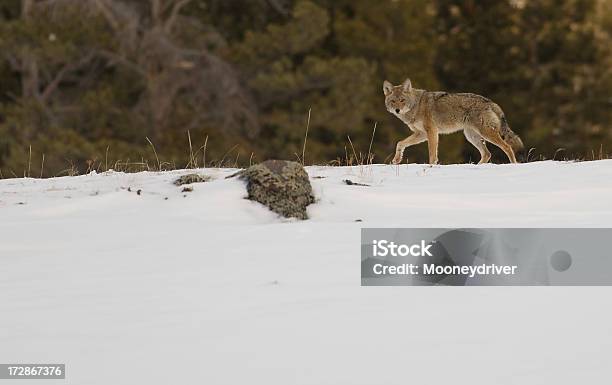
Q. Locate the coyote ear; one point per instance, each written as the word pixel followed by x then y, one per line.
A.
pixel 407 84
pixel 387 87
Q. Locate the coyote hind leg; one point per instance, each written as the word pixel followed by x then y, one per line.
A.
pixel 478 142
pixel 497 140
pixel 417 137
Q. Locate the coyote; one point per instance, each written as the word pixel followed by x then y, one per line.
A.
pixel 429 114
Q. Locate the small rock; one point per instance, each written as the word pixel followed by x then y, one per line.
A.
pixel 351 183
pixel 187 189
pixel 191 178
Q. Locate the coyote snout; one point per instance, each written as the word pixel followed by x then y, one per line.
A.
pixel 429 114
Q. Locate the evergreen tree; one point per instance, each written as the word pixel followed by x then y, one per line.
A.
pixel 290 74
pixel 568 76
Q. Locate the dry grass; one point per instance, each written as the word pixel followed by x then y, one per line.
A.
pixel 159 166
pixel 302 160
pixel 196 159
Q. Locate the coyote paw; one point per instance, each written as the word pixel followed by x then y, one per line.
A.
pixel 396 160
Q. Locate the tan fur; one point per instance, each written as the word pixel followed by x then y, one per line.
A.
pixel 429 114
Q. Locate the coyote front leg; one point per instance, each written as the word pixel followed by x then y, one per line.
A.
pixel 432 143
pixel 416 138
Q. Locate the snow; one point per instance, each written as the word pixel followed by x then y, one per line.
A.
pixel 207 287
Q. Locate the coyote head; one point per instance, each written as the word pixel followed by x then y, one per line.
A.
pixel 399 99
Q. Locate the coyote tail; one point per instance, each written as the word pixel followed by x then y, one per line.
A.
pixel 510 136
pixel 507 134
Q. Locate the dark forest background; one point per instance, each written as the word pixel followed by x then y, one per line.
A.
pixel 137 84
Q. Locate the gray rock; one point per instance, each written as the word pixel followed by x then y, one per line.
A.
pixel 281 185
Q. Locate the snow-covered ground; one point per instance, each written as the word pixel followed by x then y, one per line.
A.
pixel 205 287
